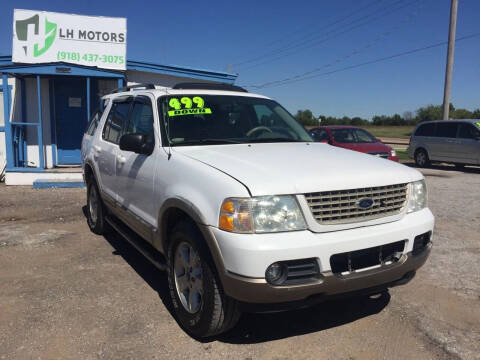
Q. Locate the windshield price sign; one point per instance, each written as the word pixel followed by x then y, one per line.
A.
pixel 184 106
pixel 43 37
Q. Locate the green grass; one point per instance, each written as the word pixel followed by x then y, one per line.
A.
pixel 402 155
pixel 401 132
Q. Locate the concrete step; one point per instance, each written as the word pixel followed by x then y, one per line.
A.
pixel 57 183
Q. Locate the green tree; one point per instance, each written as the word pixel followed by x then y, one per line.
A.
pixel 305 117
pixel 357 121
pixel 462 114
pixel 432 112
pixel 476 114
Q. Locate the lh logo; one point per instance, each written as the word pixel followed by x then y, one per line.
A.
pixel 37 36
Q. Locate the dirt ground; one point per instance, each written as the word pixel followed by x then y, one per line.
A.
pixel 66 293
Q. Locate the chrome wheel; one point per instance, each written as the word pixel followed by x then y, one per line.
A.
pixel 188 277
pixel 93 204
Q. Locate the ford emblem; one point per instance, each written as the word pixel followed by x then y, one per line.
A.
pixel 365 203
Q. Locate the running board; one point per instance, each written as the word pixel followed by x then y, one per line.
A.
pixel 138 243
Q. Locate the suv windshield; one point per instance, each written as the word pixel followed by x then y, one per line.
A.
pixel 192 119
pixel 353 135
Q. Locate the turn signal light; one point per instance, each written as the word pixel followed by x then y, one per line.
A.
pixel 236 216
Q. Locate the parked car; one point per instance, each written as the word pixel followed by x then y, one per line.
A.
pixel 353 138
pixel 452 141
pixel 216 186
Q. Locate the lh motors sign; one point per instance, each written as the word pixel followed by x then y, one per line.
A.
pixel 43 37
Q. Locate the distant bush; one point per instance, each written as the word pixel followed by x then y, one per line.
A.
pixel 430 112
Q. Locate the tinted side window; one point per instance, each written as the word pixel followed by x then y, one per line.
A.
pixel 446 129
pixel 141 119
pixel 93 124
pixel 468 131
pixel 425 130
pixel 320 135
pixel 117 118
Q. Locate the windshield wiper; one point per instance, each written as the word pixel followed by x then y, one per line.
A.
pixel 207 142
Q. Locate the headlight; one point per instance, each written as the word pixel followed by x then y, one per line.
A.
pixel 417 199
pixel 393 153
pixel 262 214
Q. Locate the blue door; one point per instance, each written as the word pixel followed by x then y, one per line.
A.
pixel 70 118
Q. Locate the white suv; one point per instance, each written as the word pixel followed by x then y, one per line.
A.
pixel 228 193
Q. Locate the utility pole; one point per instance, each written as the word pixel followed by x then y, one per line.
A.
pixel 451 50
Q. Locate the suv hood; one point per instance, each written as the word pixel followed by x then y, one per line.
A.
pixel 295 168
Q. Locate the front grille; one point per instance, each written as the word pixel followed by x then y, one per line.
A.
pixel 360 259
pixel 380 154
pixel 342 206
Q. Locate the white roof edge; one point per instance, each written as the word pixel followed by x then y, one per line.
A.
pixel 163 90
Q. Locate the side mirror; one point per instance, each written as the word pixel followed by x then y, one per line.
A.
pixel 136 143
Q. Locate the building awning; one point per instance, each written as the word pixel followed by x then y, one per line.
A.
pixel 62 68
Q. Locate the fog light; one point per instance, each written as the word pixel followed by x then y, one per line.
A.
pixel 275 274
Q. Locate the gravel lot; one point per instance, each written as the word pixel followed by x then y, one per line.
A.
pixel 66 293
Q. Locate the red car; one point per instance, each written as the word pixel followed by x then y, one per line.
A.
pixel 353 138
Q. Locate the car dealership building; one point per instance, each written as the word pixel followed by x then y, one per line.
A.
pixel 50 94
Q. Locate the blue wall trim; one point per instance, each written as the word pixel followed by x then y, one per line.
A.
pixel 51 69
pixel 40 125
pixel 6 114
pixel 6 65
pixel 53 137
pixel 48 184
pixel 23 169
pixel 23 101
pixel 88 99
pixel 184 72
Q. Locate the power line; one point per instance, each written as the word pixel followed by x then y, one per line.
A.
pixel 408 52
pixel 345 57
pixel 359 50
pixel 322 28
pixel 308 43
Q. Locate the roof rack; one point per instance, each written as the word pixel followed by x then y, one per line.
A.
pixel 130 87
pixel 208 86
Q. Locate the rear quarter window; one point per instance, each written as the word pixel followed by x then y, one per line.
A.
pixel 116 120
pixel 93 124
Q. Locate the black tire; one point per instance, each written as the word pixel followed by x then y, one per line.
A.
pixel 95 211
pixel 216 312
pixel 421 158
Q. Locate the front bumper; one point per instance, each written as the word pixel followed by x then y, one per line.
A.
pixel 259 291
pixel 242 259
